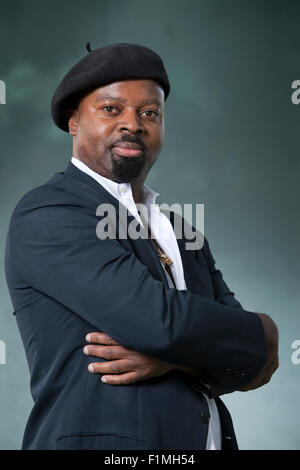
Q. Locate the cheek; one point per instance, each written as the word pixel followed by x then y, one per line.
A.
pixel 161 133
pixel 93 132
pixel 159 139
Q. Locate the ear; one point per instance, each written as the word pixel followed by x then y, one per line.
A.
pixel 72 116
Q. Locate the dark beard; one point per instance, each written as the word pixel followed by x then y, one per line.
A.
pixel 126 169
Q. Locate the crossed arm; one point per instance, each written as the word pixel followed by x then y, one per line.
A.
pixel 126 366
pixel 54 248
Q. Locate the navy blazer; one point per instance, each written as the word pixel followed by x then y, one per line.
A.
pixel 65 282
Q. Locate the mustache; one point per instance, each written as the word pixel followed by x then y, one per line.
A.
pixel 128 138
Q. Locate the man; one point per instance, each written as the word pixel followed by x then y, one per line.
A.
pixel 161 324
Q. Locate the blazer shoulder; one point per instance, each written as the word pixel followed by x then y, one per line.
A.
pixel 50 213
pixel 51 193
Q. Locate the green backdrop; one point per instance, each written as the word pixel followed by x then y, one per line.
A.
pixel 232 143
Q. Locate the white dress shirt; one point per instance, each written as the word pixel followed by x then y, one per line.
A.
pixel 163 232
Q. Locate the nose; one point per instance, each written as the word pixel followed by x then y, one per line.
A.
pixel 131 121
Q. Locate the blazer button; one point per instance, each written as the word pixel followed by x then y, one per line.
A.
pixel 239 373
pixel 205 417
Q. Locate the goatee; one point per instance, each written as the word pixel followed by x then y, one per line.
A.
pixel 126 169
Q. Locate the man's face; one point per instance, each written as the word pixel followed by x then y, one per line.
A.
pixel 118 129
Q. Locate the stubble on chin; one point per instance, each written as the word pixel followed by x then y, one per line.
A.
pixel 117 167
pixel 127 169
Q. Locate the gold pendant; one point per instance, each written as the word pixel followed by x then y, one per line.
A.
pixel 165 259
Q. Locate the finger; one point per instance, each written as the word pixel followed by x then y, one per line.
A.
pixel 106 352
pixel 123 379
pixel 100 338
pixel 110 367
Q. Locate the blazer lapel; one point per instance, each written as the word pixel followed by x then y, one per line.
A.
pixel 143 248
pixel 196 274
pixel 146 253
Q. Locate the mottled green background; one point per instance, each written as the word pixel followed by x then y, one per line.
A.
pixel 232 143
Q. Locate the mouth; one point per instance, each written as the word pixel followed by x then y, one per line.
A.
pixel 128 149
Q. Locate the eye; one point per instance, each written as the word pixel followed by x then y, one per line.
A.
pixel 151 111
pixel 109 108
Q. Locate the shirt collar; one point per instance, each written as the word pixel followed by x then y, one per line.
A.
pixel 116 189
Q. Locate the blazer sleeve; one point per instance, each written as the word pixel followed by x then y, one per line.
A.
pixel 222 293
pixel 54 248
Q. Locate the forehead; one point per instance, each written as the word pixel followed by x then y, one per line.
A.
pixel 140 90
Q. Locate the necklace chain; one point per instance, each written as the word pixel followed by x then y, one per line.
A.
pixel 162 256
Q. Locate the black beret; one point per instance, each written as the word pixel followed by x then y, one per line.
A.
pixel 112 63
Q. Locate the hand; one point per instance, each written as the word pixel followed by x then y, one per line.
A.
pixel 126 365
pixel 272 364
